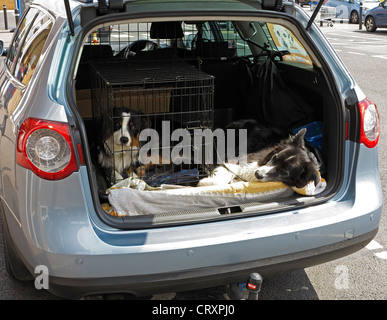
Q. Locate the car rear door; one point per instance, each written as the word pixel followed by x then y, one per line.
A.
pixel 381 15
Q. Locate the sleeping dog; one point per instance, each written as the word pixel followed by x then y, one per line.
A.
pixel 120 146
pixel 288 161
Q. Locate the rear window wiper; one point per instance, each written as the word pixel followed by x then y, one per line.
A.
pixel 315 12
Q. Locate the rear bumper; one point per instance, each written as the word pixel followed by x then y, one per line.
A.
pixel 206 277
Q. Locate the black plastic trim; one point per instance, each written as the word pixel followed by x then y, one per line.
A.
pixel 353 120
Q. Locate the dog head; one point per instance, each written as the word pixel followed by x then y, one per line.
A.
pixel 127 125
pixel 289 162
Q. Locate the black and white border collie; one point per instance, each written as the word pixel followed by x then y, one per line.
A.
pixel 288 161
pixel 120 145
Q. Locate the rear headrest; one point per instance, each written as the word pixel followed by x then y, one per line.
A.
pixel 92 52
pixel 166 30
pixel 218 49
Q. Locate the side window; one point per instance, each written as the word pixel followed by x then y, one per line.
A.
pixel 285 40
pixel 19 36
pixel 221 32
pixel 230 34
pixel 192 31
pixel 28 44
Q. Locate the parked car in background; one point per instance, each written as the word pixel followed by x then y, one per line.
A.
pixel 182 68
pixel 376 17
pixel 304 2
pixel 349 9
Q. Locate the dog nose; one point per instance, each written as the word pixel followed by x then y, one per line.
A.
pixel 258 175
pixel 124 140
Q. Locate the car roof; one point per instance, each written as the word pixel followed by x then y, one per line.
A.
pixel 148 6
pixel 194 5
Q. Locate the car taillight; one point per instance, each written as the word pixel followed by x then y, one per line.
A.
pixel 370 123
pixel 46 148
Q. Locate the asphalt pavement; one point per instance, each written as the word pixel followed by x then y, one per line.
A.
pixel 7 34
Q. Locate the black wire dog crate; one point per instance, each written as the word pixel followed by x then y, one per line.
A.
pixel 171 99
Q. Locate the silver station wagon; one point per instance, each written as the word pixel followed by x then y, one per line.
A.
pixel 109 114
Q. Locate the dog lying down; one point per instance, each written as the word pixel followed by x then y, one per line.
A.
pixel 289 162
pixel 286 163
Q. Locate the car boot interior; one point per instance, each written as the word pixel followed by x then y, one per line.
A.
pixel 207 75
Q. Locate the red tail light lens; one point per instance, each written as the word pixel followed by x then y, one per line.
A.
pixel 370 123
pixel 46 148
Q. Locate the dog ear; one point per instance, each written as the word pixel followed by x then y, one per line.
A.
pixel 134 125
pixel 298 139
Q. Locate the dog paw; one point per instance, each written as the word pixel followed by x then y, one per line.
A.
pixel 141 171
pixel 206 182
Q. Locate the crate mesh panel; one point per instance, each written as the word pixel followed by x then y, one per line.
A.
pixel 169 93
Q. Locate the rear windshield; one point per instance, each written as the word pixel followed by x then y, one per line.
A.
pixel 241 39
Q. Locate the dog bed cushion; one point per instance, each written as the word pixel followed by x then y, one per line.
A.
pixel 132 196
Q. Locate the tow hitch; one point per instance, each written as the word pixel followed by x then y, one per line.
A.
pixel 235 291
